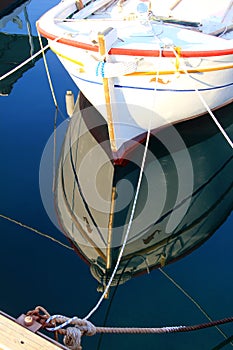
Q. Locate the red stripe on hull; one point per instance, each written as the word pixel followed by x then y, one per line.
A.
pixel 133 52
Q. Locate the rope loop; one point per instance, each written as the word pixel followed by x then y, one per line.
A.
pixel 72 335
pixel 85 326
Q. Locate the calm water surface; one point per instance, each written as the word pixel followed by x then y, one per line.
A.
pixel 36 271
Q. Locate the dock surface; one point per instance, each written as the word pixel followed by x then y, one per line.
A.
pixel 16 337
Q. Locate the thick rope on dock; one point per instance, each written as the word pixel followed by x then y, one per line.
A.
pixel 72 338
pixel 72 335
pixel 160 330
pixel 87 328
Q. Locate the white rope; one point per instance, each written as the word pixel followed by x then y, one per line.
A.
pixel 48 74
pixel 24 63
pixel 47 68
pixel 128 228
pixel 131 216
pixel 41 51
pixel 206 106
pixel 224 32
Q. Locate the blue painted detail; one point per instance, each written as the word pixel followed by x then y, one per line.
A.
pixel 142 7
pixel 152 89
pixel 97 69
pixel 102 69
pixel 174 90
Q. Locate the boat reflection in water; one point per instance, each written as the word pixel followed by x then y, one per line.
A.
pixel 16 48
pixel 9 6
pixel 185 194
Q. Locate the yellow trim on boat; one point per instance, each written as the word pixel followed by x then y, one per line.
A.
pixel 165 72
pixel 67 58
pixel 181 71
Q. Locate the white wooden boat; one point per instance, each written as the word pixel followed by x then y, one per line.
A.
pixel 141 70
pixel 185 195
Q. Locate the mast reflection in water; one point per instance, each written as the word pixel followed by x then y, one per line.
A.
pixel 185 194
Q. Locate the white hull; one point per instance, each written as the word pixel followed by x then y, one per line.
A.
pixel 168 103
pixel 150 74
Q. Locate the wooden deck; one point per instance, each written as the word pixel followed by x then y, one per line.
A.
pixel 16 337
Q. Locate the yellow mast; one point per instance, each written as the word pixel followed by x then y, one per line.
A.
pixel 103 53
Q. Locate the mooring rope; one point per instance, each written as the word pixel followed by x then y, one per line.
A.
pixel 160 330
pixel 130 220
pixel 77 327
pixel 31 58
pixel 205 104
pixel 115 290
pixel 128 228
pixel 193 301
pixel 35 231
pixel 47 68
pixel 87 328
pixel 84 327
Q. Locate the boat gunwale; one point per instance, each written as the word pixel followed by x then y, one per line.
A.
pixel 162 72
pixel 134 52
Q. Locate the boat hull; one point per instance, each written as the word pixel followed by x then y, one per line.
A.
pixel 147 101
pixel 139 73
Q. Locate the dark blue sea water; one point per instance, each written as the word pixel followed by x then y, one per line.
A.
pixel 37 271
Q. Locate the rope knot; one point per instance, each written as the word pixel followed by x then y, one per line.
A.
pixel 90 328
pixel 73 335
pixel 72 338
